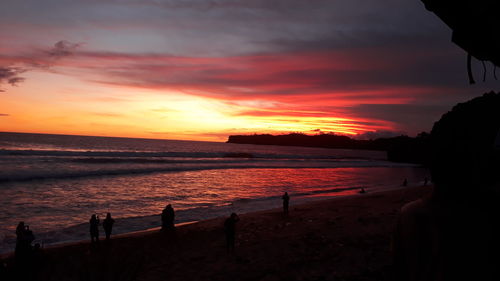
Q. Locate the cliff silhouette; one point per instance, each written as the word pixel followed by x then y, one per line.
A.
pixel 402 148
pixel 399 149
pixel 475 25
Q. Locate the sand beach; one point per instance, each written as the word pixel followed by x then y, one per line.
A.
pixel 345 238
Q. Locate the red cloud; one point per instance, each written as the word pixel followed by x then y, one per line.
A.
pixel 321 84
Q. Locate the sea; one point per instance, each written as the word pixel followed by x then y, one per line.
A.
pixel 54 183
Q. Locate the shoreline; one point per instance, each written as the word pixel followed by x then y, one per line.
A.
pixel 345 237
pixel 302 200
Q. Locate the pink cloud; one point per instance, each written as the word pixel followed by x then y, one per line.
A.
pixel 321 84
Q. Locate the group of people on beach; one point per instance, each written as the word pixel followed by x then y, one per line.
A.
pixel 107 224
pixel 168 217
pixel 168 225
pixel 25 236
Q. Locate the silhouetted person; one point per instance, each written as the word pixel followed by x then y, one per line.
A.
pixel 107 224
pixel 453 234
pixel 24 237
pixel 426 181
pixel 230 231
pixel 94 228
pixel 286 201
pixel 37 248
pixel 405 182
pixel 20 242
pixel 167 218
pixel 37 259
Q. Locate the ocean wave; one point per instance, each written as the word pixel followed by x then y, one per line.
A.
pixel 174 160
pixel 297 194
pixel 114 171
pixel 74 153
pixel 121 156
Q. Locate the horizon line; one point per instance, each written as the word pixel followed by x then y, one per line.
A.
pixel 118 137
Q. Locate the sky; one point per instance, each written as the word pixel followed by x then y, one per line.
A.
pixel 207 69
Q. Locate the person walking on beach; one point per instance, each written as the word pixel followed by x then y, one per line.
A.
pixel 286 201
pixel 230 231
pixel 405 182
pixel 94 228
pixel 107 224
pixel 167 218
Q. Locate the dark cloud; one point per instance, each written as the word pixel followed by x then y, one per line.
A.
pixel 36 60
pixel 288 74
pixel 362 38
pixel 409 118
pixel 273 113
pixel 63 48
pixel 201 27
pixel 10 75
pixel 278 5
pixel 15 80
pixel 4 114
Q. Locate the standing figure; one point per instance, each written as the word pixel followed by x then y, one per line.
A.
pixel 107 224
pixel 94 228
pixel 230 231
pixel 426 180
pixel 286 201
pixel 167 218
pixel 24 237
pixel 405 182
pixel 20 239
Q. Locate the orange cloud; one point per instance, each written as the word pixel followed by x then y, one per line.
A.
pixel 348 91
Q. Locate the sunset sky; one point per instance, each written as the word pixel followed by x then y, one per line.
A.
pixel 205 69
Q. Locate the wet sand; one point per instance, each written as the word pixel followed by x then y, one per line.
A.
pixel 345 238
